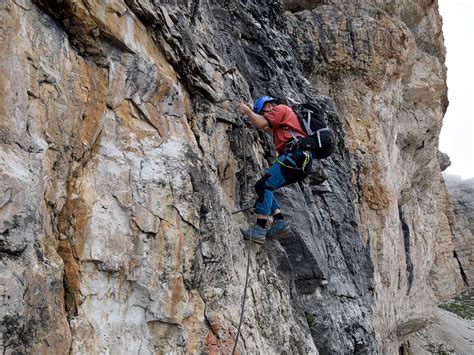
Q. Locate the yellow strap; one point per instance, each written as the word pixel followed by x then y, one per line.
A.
pixel 283 164
pixel 306 160
pixel 305 163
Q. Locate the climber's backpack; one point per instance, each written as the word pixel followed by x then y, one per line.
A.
pixel 321 140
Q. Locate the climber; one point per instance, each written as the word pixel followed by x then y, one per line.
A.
pixel 292 165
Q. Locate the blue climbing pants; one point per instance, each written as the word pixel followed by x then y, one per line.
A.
pixel 290 167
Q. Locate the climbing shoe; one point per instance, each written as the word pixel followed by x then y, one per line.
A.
pixel 258 234
pixel 279 228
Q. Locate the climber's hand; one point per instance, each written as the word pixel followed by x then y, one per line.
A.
pixel 258 121
pixel 245 109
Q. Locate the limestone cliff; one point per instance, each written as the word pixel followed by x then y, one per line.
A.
pixel 123 155
pixel 461 193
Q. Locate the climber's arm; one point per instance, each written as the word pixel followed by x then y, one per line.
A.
pixel 258 121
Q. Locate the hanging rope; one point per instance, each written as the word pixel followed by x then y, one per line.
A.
pixel 245 208
pixel 245 294
pixel 245 162
pixel 242 309
pixel 248 248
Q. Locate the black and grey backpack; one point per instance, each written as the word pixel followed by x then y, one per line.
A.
pixel 321 140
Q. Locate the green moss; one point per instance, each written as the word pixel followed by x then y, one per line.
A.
pixel 438 350
pixel 310 319
pixel 69 299
pixel 463 305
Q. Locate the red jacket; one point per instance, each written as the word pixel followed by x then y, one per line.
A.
pixel 282 119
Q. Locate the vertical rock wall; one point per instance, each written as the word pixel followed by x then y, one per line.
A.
pixel 384 65
pixel 122 156
pixel 461 193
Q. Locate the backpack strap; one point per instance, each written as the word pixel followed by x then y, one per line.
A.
pixel 296 139
pixel 318 134
pixel 307 123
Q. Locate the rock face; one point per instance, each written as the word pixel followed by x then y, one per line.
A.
pixel 449 334
pixel 123 155
pixel 461 193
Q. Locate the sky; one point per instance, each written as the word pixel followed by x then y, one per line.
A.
pixel 457 133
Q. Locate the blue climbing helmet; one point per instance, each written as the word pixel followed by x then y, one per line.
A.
pixel 260 102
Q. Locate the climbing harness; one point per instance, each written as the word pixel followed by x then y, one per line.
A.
pixel 307 159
